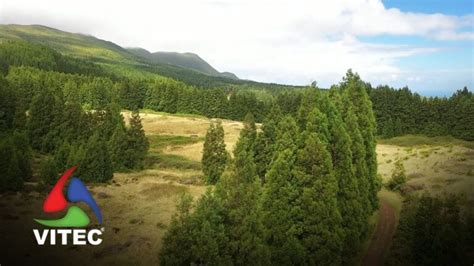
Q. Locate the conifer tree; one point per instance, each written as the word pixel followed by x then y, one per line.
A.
pixel 356 96
pixel 118 148
pixel 77 154
pixel 240 194
pixel 7 105
pixel 358 161
pixel 96 165
pixel 111 119
pixel 198 238
pixel 348 194
pixel 317 210
pixel 137 143
pixel 307 104
pixel 74 123
pixel 61 156
pixel 41 120
pixel 317 122
pixel 265 142
pixel 287 135
pixel 49 171
pixel 398 178
pixel 278 199
pixel 11 178
pixel 250 130
pixel 23 153
pixel 214 157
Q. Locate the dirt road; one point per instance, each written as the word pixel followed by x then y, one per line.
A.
pixel 382 236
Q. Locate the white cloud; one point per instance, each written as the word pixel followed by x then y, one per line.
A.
pixel 284 41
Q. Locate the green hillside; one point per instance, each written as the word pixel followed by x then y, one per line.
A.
pixel 185 60
pixel 118 60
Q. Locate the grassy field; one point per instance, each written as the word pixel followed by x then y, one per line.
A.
pixel 433 165
pixel 418 140
pixel 138 206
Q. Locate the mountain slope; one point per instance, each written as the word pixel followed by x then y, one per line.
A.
pixel 120 61
pixel 185 60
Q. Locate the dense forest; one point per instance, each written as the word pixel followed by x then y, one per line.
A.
pixel 298 192
pixel 42 110
pixel 397 112
pixel 400 112
pixel 86 92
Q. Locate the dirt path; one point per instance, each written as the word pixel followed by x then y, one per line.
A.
pixel 382 236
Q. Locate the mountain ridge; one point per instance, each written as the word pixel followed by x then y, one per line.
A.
pixel 186 60
pixel 120 61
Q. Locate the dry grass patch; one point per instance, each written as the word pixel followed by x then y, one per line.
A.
pixel 156 191
pixel 437 169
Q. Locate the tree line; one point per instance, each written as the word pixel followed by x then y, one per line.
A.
pixel 400 112
pixel 397 111
pixel 297 192
pixel 59 129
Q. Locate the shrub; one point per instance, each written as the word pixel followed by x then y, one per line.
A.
pixel 398 176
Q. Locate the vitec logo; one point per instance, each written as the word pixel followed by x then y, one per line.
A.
pixel 75 216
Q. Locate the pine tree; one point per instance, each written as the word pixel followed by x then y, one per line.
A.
pixel 250 130
pixel 353 215
pixel 214 157
pixel 265 142
pixel 96 165
pixel 118 148
pixel 356 96
pixel 61 156
pixel 23 153
pixel 240 195
pixel 358 161
pixel 7 105
pixel 198 238
pixel 74 123
pixel 42 118
pixel 398 176
pixel 317 122
pixel 11 178
pixel 111 119
pixel 278 199
pixel 316 210
pixel 77 154
pixel 177 242
pixel 287 135
pixel 137 143
pixel 49 171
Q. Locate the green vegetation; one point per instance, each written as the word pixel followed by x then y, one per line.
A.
pixel 171 161
pixel 15 161
pixel 157 159
pixel 400 112
pixel 214 155
pixel 420 140
pixel 115 60
pixel 42 116
pixel 432 231
pixel 314 200
pixel 398 176
pixel 300 190
pixel 184 60
pixel 159 142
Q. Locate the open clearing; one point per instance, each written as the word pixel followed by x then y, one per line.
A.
pixel 138 206
pixel 433 169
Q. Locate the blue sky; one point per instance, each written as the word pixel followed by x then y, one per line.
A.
pixel 426 45
pixel 448 7
pixel 452 66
